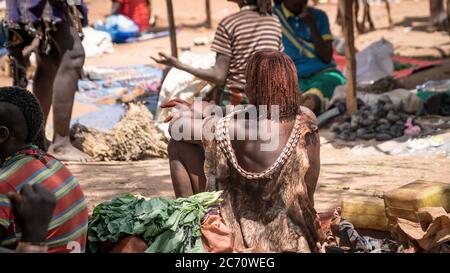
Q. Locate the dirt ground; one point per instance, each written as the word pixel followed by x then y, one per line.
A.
pixel 343 173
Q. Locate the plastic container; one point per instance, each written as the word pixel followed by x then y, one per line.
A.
pixel 119 27
pixel 405 201
pixel 431 88
pixel 365 213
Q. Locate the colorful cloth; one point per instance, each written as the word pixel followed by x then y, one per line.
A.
pixel 68 226
pixel 136 10
pixel 20 12
pixel 240 35
pixel 298 42
pixel 322 84
pixel 232 96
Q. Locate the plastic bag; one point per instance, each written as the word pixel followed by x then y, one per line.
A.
pixel 375 62
pixel 119 27
pixel 180 84
pixel 97 42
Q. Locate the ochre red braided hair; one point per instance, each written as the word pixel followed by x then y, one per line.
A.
pixel 272 80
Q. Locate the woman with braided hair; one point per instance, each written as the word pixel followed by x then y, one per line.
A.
pixel 238 36
pixel 268 192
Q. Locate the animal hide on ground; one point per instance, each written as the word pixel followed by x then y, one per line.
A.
pixel 134 138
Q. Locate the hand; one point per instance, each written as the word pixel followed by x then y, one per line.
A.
pixel 33 211
pixel 196 109
pixel 175 103
pixel 308 17
pixel 167 60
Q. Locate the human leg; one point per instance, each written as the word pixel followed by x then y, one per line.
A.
pixel 44 77
pixel 319 87
pixel 186 168
pixel 67 41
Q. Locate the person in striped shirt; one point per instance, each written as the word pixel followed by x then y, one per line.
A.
pixel 33 209
pixel 22 164
pixel 237 38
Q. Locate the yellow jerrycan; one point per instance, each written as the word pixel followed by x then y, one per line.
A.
pixel 405 201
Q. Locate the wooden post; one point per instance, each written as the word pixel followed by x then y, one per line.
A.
pixel 349 36
pixel 208 23
pixel 448 16
pixel 172 29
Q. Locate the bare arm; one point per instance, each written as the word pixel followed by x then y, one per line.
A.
pixel 216 74
pixel 313 150
pixel 323 48
pixel 190 119
pixel 312 175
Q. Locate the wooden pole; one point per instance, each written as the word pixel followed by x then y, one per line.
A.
pixel 172 29
pixel 208 14
pixel 349 36
pixel 448 16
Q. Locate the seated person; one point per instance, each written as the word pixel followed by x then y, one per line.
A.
pixel 136 10
pixel 307 40
pixel 33 209
pixel 268 192
pixel 238 36
pixel 22 163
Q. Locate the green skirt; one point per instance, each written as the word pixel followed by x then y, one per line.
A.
pixel 323 83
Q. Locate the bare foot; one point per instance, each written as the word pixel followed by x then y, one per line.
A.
pixel 66 152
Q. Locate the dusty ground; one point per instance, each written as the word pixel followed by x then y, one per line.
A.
pixel 341 169
pixel 343 175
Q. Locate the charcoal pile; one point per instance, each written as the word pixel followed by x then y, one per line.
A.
pixel 380 86
pixel 383 121
pixel 438 105
pixel 134 138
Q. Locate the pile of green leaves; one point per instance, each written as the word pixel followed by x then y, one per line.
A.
pixel 167 225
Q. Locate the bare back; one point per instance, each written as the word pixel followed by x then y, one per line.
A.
pixel 274 210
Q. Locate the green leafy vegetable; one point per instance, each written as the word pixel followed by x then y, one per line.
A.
pixel 168 226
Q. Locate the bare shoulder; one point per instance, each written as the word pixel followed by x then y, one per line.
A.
pixel 309 113
pixel 312 139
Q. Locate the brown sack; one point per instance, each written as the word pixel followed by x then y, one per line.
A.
pixel 432 232
pixel 216 236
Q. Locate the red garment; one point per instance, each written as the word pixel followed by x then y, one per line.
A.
pixel 136 10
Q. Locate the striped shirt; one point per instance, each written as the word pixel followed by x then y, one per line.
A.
pixel 240 35
pixel 68 227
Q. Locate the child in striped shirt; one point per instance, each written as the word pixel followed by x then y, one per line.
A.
pixel 22 164
pixel 238 37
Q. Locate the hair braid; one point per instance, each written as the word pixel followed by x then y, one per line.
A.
pixel 272 80
pixel 30 108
